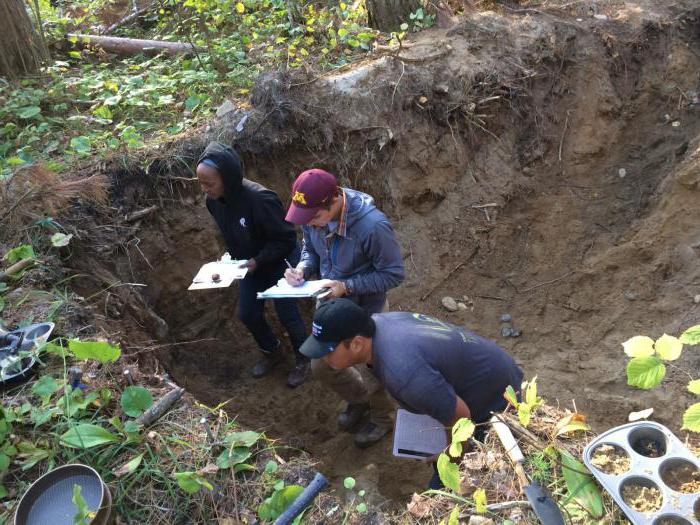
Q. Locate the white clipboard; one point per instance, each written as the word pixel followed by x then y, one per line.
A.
pixel 418 436
pixel 227 269
pixel 284 290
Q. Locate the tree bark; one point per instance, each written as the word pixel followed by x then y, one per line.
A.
pixel 388 15
pixel 21 47
pixel 131 46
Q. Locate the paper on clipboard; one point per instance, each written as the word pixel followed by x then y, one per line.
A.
pixel 283 289
pixel 228 270
pixel 418 436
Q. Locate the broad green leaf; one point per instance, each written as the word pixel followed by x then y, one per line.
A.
pixel 243 467
pixel 694 386
pixel 24 251
pixel 511 396
pixel 97 350
pixel 691 336
pixel 361 507
pixel 282 498
pixel 129 467
pixel 30 454
pixel 4 462
pixel 455 449
pixel 349 483
pixel 136 400
pixel 87 436
pixel 463 429
pixel 45 387
pixel 191 482
pixel 271 467
pixel 645 372
pixel 103 112
pixel 668 348
pixel 639 346
pixel 449 473
pixel 81 144
pixel 524 414
pixel 242 439
pixel 230 457
pixel 480 501
pixel 28 112
pixel 581 486
pixel 454 516
pixel 3 491
pixel 58 240
pixel 691 418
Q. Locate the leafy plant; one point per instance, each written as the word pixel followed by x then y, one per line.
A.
pixel 421 20
pixel 282 497
pixel 24 251
pixel 647 368
pixel 136 400
pixel 84 514
pixel 581 485
pixel 87 435
pixel 531 402
pixel 192 482
pixel 462 430
pixel 97 350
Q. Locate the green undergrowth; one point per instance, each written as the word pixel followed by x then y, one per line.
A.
pixel 86 103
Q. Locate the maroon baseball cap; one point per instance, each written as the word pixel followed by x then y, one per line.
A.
pixel 313 189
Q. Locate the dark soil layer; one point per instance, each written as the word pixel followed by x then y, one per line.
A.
pixel 547 161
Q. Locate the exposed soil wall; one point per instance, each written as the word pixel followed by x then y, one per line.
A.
pixel 555 158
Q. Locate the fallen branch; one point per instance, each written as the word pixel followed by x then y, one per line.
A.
pixel 15 268
pixel 154 413
pixel 131 46
pixel 129 18
pixel 449 274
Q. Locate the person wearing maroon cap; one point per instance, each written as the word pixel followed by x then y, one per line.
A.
pixel 350 242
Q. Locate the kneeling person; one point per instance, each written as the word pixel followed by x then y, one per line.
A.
pixel 429 366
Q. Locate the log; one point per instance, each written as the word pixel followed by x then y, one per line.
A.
pixel 154 413
pixel 131 46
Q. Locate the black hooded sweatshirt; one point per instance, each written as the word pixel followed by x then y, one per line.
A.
pixel 250 216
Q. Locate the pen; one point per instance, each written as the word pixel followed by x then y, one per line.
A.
pixel 289 265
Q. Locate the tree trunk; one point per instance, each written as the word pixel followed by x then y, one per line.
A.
pixel 388 15
pixel 21 47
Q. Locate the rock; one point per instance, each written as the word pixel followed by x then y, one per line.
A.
pixel 480 520
pixel 696 299
pixel 630 296
pixel 461 306
pixel 441 89
pixel 506 318
pixel 622 172
pixel 225 108
pixel 516 332
pixel 506 331
pixel 450 304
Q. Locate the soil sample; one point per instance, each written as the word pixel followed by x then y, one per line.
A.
pixel 682 476
pixel 642 498
pixel 611 459
pixel 672 520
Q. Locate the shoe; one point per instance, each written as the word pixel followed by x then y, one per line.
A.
pixel 352 415
pixel 299 373
pixel 265 365
pixel 370 434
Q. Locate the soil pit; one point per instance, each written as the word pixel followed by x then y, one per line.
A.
pixel 611 459
pixel 681 476
pixel 541 173
pixel 642 495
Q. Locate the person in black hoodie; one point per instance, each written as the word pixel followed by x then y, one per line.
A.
pixel 251 219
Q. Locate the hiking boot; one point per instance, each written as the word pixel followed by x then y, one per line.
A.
pixel 266 364
pixel 299 373
pixel 352 415
pixel 370 434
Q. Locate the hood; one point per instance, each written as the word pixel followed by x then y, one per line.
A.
pixel 359 204
pixel 229 165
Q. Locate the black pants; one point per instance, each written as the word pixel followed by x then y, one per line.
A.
pixel 252 312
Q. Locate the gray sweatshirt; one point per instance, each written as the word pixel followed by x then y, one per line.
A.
pixel 360 249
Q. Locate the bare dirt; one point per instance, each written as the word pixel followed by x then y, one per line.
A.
pixel 547 160
pixel 683 477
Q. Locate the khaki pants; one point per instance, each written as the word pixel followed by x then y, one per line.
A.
pixel 356 385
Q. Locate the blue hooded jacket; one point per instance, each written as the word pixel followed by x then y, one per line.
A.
pixel 368 258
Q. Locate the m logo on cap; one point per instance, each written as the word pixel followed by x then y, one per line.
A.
pixel 316 329
pixel 299 197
